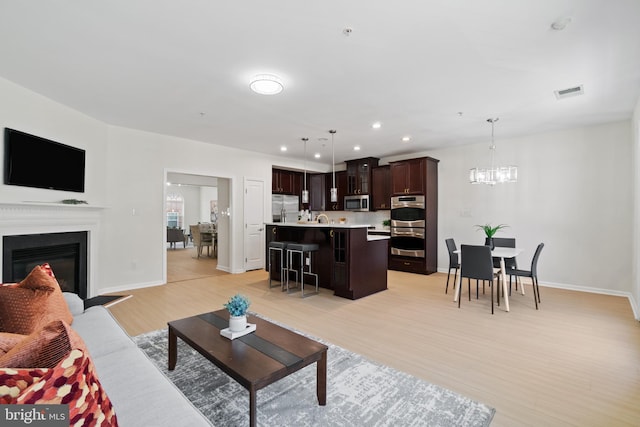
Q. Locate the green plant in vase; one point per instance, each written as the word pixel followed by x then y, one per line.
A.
pixel 490 231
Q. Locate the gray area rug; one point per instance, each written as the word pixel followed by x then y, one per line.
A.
pixel 360 392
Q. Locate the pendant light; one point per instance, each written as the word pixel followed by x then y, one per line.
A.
pixel 334 190
pixel 494 174
pixel 305 192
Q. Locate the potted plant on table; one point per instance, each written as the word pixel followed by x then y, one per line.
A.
pixel 489 232
pixel 237 307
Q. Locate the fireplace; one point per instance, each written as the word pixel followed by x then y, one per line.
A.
pixel 65 252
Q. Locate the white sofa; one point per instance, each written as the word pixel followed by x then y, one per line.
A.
pixel 141 394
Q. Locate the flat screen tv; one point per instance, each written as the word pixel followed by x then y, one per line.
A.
pixel 32 161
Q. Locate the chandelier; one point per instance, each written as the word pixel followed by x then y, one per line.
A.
pixel 494 174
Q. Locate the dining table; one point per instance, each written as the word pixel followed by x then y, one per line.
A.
pixel 497 252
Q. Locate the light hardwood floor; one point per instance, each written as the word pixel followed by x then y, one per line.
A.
pixel 574 362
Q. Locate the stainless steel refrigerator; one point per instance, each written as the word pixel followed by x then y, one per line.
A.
pixel 284 208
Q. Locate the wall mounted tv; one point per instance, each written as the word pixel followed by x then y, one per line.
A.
pixel 31 161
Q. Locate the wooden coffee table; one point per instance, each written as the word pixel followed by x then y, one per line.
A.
pixel 254 360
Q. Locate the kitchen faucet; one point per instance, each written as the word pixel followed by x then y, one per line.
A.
pixel 323 216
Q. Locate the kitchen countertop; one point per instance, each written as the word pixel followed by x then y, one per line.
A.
pixel 370 237
pixel 317 225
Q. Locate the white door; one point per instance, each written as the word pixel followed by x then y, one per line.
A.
pixel 253 224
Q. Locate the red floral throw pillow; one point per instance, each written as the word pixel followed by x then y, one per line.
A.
pixel 32 303
pixel 73 382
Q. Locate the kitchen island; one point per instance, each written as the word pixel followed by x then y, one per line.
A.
pixel 349 261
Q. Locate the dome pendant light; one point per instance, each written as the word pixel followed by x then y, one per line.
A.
pixel 334 190
pixel 305 192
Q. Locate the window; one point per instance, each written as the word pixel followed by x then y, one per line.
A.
pixel 175 210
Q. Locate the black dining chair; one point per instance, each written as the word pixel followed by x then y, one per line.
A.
pixel 453 262
pixel 476 263
pixel 509 263
pixel 532 274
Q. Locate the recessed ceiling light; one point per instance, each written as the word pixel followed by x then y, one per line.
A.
pixel 283 148
pixel 406 138
pixel 266 84
pixel 356 148
pixel 317 155
pixel 376 125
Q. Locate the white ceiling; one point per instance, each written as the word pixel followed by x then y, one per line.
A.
pixel 182 68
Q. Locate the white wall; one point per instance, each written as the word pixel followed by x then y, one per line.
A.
pixel 575 194
pixel 635 290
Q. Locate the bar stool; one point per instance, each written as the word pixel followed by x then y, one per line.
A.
pixel 279 247
pixel 301 249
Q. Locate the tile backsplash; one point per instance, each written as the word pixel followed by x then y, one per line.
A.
pixel 372 218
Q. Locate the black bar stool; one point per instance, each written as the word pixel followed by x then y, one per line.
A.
pixel 279 248
pixel 304 250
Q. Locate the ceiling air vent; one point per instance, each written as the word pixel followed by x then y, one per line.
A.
pixel 572 91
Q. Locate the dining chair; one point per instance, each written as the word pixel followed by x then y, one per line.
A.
pixel 453 262
pixel 476 263
pixel 532 274
pixel 509 263
pixel 198 241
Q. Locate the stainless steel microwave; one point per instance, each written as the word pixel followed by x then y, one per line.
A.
pixel 358 203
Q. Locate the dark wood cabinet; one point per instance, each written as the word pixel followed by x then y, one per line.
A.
pixel 340 246
pixel 317 192
pixel 408 176
pixel 381 188
pixel 346 261
pixel 286 182
pixel 341 185
pixel 359 175
pixel 420 177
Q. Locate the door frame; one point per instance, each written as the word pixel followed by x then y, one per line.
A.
pixel 226 248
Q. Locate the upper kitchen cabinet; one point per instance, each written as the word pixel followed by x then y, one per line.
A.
pixel 286 182
pixel 381 188
pixel 317 191
pixel 359 175
pixel 341 185
pixel 411 176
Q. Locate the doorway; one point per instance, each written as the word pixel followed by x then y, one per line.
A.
pixel 205 200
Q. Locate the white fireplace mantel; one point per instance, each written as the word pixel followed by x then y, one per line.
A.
pixel 41 218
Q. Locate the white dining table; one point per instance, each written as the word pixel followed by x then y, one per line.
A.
pixel 497 252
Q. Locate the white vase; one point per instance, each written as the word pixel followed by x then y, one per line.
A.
pixel 237 323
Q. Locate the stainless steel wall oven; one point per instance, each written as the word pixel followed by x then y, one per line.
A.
pixel 408 226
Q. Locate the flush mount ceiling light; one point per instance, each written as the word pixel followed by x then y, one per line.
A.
pixel 494 174
pixel 376 125
pixel 266 84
